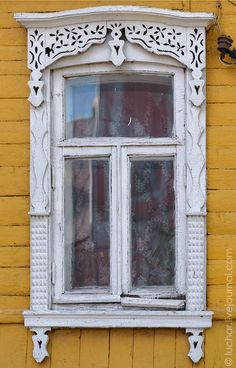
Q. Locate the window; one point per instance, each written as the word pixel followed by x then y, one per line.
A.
pixel 118 195
pixel 119 146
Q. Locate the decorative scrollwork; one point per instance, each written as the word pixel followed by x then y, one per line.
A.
pixel 195 340
pixel 40 340
pixel 159 39
pixel 184 44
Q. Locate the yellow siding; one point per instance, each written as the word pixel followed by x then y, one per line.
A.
pixel 141 348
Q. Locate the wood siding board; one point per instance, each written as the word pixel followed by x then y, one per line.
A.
pixel 65 348
pixel 121 348
pixel 94 348
pixel 143 353
pixel 162 339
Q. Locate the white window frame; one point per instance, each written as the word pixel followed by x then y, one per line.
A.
pixel 121 33
pixel 90 147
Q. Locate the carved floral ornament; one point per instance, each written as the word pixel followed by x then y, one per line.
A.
pixel 179 35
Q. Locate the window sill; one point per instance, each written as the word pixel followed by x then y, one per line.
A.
pixel 108 317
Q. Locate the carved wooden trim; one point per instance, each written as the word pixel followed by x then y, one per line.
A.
pixel 196 342
pixel 39 173
pixel 161 32
pixel 39 263
pixel 196 263
pixel 40 340
pixel 185 44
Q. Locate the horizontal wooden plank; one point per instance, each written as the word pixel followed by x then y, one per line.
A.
pixel 217 271
pixel 221 77
pixel 219 246
pixel 14 257
pixel 13 53
pixel 14 86
pixel 55 5
pixel 221 158
pixel 221 200
pixel 217 300
pixel 14 181
pixel 11 316
pixel 221 94
pixel 13 342
pixel 12 302
pixel 221 179
pixel 14 132
pixel 221 223
pixel 13 37
pixel 212 6
pixel 7 21
pixel 14 281
pixel 14 68
pixel 14 155
pixel 220 114
pixel 14 109
pixel 14 210
pixel 14 235
pixel 221 136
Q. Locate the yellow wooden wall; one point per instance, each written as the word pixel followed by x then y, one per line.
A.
pixel 138 348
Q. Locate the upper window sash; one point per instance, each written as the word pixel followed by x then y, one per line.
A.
pixel 58 93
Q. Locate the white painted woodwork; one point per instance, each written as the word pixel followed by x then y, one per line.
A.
pixel 152 303
pixel 153 41
pixel 195 341
pixel 40 341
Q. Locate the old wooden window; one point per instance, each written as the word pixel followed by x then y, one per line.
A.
pixel 118 170
pixel 119 193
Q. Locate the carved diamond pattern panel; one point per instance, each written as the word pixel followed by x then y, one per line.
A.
pixel 39 263
pixel 196 263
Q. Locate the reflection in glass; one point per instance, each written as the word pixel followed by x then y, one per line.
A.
pixel 87 233
pixel 126 105
pixel 152 223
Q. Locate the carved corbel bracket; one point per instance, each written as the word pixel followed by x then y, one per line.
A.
pixel 196 341
pixel 40 340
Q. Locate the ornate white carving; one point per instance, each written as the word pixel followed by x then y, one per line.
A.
pixel 116 45
pixel 187 45
pixel 196 341
pixel 40 340
pixel 196 162
pixel 36 57
pixel 196 62
pixel 161 32
pixel 39 176
pixel 39 263
pixel 196 263
pixel 159 38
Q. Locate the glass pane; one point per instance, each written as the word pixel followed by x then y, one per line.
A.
pixel 152 223
pixel 87 233
pixel 119 106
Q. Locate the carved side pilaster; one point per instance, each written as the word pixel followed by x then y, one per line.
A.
pixel 40 340
pixel 196 263
pixel 195 341
pixel 36 63
pixel 39 263
pixel 39 157
pixel 196 63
